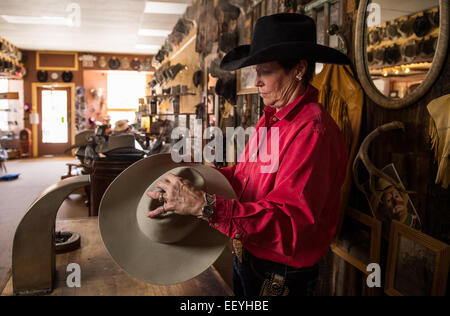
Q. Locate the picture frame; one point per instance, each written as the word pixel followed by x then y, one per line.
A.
pixel 359 240
pixel 417 264
pixel 246 81
pixel 389 204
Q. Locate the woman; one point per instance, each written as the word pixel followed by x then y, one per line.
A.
pixel 285 217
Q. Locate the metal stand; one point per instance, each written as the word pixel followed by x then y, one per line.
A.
pixel 33 255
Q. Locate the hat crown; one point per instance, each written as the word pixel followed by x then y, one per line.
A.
pixel 282 28
pixel 170 227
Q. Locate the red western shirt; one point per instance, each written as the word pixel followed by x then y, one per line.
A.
pixel 288 216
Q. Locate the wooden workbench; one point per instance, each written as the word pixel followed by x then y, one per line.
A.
pixel 101 276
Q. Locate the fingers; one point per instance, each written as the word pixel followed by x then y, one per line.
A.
pixel 156 195
pixel 153 194
pixel 157 211
pixel 160 210
pixel 162 185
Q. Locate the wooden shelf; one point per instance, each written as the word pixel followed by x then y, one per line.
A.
pixel 170 95
pixel 7 58
pixel 9 95
pixel 165 114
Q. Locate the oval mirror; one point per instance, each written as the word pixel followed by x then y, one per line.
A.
pixel 400 48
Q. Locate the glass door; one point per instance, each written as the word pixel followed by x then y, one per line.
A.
pixel 54 125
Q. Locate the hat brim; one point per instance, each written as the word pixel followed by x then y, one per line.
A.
pixel 142 258
pixel 239 57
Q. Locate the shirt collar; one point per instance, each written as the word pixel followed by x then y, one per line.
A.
pixel 310 95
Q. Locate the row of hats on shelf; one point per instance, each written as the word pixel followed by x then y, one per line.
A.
pixel 12 68
pixel 214 25
pixel 409 52
pixel 125 63
pixel 173 90
pixel 419 26
pixel 179 32
pixel 10 51
pixel 43 76
pixel 165 74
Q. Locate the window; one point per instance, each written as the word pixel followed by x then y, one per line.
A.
pixel 54 117
pixel 4 106
pixel 124 91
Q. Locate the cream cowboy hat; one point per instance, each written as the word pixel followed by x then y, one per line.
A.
pixel 167 249
pixel 121 126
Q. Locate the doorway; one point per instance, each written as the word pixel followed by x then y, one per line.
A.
pixel 54 128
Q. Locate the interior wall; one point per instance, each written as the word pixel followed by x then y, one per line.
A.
pixel 31 78
pixel 412 156
pixel 186 55
pixel 95 80
pixel 411 153
pixel 95 111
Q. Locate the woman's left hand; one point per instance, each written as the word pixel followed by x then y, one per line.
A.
pixel 180 196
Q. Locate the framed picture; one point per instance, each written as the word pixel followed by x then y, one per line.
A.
pixel 358 242
pixel 417 263
pixel 387 203
pixel 246 81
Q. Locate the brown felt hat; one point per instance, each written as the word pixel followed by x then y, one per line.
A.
pixel 170 248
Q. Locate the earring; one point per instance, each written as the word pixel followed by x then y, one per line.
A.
pixel 299 77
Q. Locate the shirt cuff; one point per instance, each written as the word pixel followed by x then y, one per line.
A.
pixel 221 218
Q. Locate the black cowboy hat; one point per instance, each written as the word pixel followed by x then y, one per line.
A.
pixel 159 56
pixel 392 54
pixel 215 71
pixel 392 31
pixel 135 64
pixel 282 36
pixel 199 111
pixel 427 47
pixel 67 76
pixel 42 76
pixel 197 78
pixel 166 75
pixel 409 51
pixel 375 36
pixel 378 56
pixel 434 19
pixel 114 63
pixel 370 58
pixel 228 40
pixel 422 26
pixel 226 88
pixel 183 26
pixel 405 28
pixel 152 83
pixel 230 11
pixel 174 70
